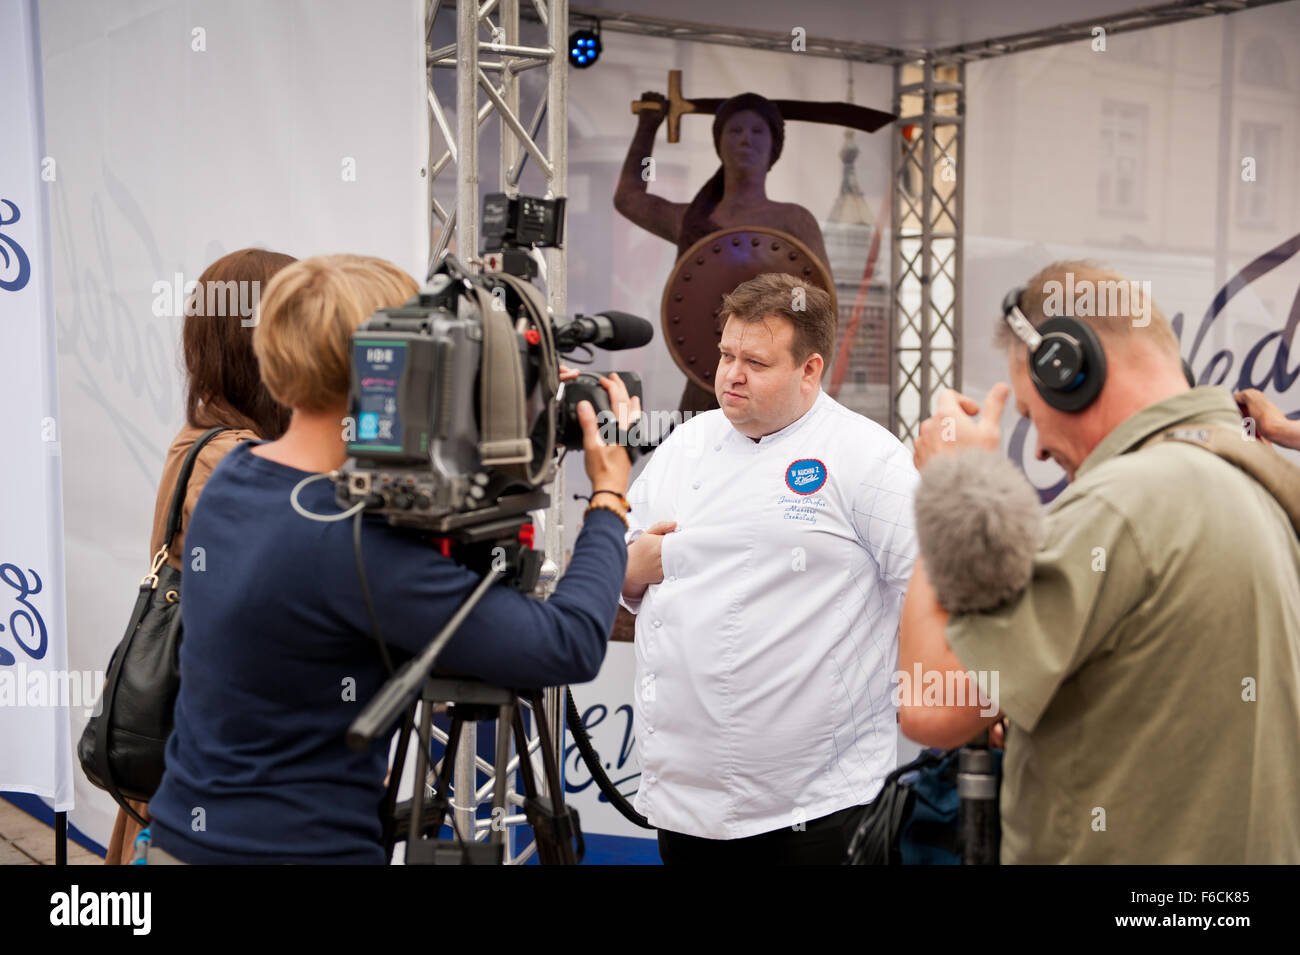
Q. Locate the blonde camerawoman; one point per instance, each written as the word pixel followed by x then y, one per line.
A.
pixel 278 656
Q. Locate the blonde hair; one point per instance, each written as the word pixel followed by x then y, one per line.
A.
pixel 1132 315
pixel 306 318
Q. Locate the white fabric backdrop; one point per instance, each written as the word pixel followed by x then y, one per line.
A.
pixel 169 156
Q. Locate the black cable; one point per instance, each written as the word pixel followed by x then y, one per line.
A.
pixel 589 756
pixel 365 593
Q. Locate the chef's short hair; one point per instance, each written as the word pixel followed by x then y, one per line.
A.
pixel 804 305
pixel 306 319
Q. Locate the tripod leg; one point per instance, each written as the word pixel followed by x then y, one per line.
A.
pixel 567 825
pixel 554 826
pixel 553 787
pixel 501 780
pixel 394 781
pixel 525 760
pixel 421 773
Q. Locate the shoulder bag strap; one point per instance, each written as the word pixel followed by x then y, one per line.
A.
pixel 1277 475
pixel 142 603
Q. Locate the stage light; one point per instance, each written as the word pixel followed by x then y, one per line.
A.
pixel 584 48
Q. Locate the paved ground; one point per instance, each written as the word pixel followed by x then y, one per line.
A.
pixel 28 841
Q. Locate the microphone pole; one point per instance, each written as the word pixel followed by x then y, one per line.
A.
pixel 977 815
pixel 404 686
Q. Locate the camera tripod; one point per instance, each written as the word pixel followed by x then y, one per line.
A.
pixel 556 830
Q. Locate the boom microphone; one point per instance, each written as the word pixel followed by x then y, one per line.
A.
pixel 979 525
pixel 610 330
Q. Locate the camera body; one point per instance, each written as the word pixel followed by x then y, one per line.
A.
pixel 456 413
pixel 413 438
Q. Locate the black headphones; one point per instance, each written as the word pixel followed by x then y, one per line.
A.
pixel 1066 361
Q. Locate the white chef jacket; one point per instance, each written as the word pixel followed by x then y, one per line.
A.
pixel 764 660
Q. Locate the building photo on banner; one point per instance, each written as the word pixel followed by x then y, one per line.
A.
pixel 952 347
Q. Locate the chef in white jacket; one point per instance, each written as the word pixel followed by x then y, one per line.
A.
pixel 770 545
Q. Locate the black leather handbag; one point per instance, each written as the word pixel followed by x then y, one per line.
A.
pixel 121 748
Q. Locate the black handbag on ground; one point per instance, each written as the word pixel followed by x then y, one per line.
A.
pixel 121 748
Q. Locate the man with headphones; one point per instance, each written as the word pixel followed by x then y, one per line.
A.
pixel 1150 671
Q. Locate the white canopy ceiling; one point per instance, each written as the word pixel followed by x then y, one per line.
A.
pixel 899 24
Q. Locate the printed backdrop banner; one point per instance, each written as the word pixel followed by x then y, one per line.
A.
pixel 35 686
pixel 178 131
pixel 1166 154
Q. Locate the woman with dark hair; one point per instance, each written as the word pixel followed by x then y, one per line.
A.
pixel 748 134
pixel 223 389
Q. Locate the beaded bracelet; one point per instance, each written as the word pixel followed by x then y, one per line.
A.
pixel 604 507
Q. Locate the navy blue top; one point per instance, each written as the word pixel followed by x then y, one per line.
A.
pixel 278 659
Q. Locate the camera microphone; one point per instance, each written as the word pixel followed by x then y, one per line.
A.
pixel 610 330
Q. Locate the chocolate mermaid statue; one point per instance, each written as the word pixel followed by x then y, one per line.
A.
pixel 748 133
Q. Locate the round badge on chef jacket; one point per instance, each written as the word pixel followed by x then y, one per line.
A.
pixel 805 476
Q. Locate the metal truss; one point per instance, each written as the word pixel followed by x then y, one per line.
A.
pixel 488 58
pixel 1142 18
pixel 926 248
pixel 741 36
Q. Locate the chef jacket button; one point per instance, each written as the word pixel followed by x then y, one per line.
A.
pixel 717 447
pixel 659 623
pixel 696 485
pixel 673 579
pixel 649 729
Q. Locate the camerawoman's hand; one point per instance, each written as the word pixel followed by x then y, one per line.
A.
pixel 608 465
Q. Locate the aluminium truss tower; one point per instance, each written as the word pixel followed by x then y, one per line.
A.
pixel 488 58
pixel 926 227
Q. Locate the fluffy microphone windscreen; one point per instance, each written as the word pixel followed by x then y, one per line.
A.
pixel 979 524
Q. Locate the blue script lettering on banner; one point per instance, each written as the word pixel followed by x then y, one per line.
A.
pixel 593 717
pixel 1275 375
pixel 99 321
pixel 29 615
pixel 19 261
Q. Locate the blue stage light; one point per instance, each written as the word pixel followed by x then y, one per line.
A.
pixel 584 48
